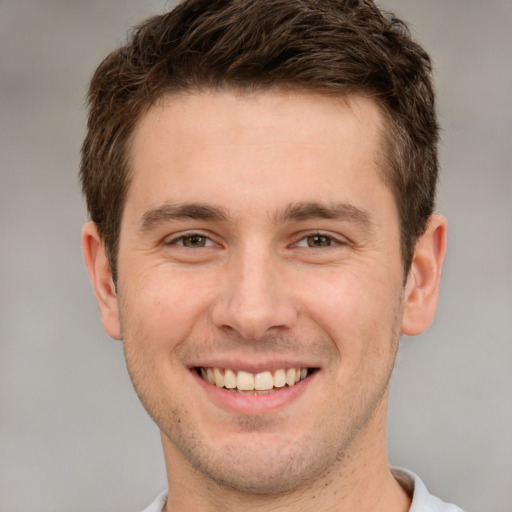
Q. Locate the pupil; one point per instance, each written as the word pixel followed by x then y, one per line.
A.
pixel 319 241
pixel 194 241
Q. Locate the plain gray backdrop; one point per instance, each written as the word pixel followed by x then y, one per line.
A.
pixel 72 433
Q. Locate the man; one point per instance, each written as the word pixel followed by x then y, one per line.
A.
pixel 261 179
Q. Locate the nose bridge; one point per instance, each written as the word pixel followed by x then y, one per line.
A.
pixel 255 297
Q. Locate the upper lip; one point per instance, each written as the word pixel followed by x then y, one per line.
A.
pixel 254 366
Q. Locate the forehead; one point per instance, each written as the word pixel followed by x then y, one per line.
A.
pixel 276 114
pixel 292 144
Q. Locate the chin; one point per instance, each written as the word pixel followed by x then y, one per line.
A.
pixel 261 464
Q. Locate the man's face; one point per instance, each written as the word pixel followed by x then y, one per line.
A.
pixel 258 238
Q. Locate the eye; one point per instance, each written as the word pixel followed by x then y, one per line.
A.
pixel 193 241
pixel 317 241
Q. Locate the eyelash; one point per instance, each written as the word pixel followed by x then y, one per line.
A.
pixel 332 240
pixel 208 242
pixel 180 240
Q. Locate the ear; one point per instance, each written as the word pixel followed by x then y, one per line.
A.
pixel 422 286
pixel 101 276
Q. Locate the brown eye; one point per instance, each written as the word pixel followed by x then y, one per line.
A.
pixel 194 241
pixel 319 241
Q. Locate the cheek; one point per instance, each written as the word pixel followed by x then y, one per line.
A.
pixel 163 308
pixel 354 308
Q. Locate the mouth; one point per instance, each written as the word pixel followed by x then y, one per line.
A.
pixel 246 383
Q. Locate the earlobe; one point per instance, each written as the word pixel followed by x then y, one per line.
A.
pixel 423 281
pixel 101 277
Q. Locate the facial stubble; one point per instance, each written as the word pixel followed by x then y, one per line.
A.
pixel 254 465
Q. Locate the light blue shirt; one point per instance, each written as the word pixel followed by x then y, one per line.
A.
pixel 422 500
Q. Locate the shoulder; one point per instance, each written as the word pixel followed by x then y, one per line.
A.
pixel 422 500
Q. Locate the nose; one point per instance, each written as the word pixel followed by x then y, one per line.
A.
pixel 255 298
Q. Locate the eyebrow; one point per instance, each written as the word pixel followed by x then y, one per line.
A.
pixel 336 211
pixel 176 211
pixel 301 211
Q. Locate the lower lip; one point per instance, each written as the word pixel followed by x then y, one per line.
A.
pixel 254 404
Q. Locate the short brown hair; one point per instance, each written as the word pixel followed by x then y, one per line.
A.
pixel 334 47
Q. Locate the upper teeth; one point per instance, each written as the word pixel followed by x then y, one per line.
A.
pixel 245 381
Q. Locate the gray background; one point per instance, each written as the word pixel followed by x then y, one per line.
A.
pixel 72 433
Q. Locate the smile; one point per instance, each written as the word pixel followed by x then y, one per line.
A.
pixel 253 383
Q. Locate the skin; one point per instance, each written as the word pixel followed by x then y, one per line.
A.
pixel 238 280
